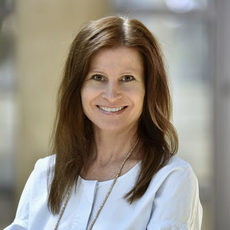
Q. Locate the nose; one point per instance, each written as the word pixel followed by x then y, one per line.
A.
pixel 112 91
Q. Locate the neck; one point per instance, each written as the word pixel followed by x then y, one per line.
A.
pixel 112 147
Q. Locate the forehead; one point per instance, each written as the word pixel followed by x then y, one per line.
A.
pixel 118 57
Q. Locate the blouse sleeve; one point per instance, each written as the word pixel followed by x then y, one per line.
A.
pixel 22 215
pixel 177 205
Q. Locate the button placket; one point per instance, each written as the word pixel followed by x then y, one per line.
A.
pixel 84 205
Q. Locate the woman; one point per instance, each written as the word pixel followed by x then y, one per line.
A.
pixel 114 165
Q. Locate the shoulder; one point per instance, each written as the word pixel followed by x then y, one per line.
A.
pixel 44 164
pixel 40 178
pixel 43 168
pixel 178 166
pixel 34 194
pixel 177 163
pixel 176 172
pixel 175 192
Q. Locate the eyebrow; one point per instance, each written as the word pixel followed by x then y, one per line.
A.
pixel 129 71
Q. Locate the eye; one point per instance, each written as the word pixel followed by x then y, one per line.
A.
pixel 98 77
pixel 127 78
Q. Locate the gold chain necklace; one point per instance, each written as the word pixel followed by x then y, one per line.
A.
pixel 106 197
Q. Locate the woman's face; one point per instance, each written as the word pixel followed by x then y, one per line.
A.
pixel 113 92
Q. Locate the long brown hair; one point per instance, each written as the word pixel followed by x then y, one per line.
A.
pixel 73 133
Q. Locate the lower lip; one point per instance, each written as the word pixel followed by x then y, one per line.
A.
pixel 112 113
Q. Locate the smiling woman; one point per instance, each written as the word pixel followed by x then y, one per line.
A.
pixel 114 163
pixel 113 92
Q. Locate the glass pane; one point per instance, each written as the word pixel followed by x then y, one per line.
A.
pixel 7 101
pixel 174 5
pixel 138 4
pixel 7 113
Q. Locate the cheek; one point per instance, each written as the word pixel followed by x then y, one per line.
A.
pixel 137 97
pixel 88 95
pixel 141 103
pixel 84 98
pixel 141 99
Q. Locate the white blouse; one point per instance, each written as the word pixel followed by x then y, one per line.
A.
pixel 171 202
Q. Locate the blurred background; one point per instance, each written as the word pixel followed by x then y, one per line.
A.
pixel 35 36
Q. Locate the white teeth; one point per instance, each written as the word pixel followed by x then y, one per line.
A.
pixel 107 109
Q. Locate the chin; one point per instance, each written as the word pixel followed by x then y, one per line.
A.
pixel 116 127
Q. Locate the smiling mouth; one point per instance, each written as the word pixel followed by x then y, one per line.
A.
pixel 111 109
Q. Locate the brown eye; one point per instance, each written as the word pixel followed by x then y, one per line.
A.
pixel 98 77
pixel 127 78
